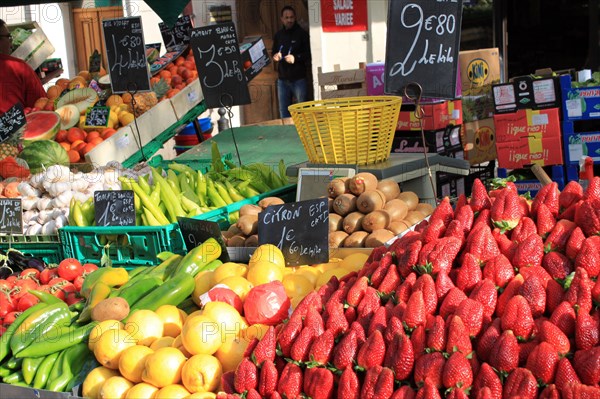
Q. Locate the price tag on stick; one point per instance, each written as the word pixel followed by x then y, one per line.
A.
pixel 299 229
pixel 114 208
pixel 195 232
pixel 11 121
pixel 177 36
pixel 11 216
pixel 97 116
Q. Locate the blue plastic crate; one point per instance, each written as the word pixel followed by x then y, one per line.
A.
pixel 579 103
pixel 556 173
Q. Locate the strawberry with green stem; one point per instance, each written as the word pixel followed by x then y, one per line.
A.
pixel 542 362
pixel 520 383
pixel 438 256
pixel 557 265
pixel 457 373
pixel 587 216
pixel 571 194
pixel 487 381
pixel 506 211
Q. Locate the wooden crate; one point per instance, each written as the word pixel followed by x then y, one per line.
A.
pixel 337 84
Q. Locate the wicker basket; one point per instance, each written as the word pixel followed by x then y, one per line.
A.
pixel 350 130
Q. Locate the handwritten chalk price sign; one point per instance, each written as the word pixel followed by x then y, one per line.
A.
pixel 126 54
pixel 195 232
pixel 114 208
pixel 11 216
pixel 97 116
pixel 299 229
pixel 11 121
pixel 423 39
pixel 219 65
pixel 179 35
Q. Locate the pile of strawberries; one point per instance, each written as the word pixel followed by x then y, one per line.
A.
pixel 497 298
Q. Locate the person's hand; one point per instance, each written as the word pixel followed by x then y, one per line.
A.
pixel 289 59
pixel 277 57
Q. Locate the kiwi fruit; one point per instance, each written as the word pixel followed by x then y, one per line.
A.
pixel 344 204
pixel 337 186
pixel 411 199
pixel 337 238
pixel 232 231
pixel 335 222
pixel 356 239
pixel 248 224
pixel 370 201
pixel 361 182
pixel 390 188
pixel 398 226
pixel 375 220
pixel 378 238
pixel 250 209
pixel 425 208
pixel 330 204
pixel 352 222
pixel 251 241
pixel 414 217
pixel 396 208
pixel 268 201
pixel 236 241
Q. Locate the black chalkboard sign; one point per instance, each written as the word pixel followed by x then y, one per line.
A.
pixel 299 229
pixel 97 116
pixel 177 36
pixel 11 216
pixel 126 54
pixel 219 65
pixel 423 39
pixel 11 121
pixel 114 208
pixel 195 232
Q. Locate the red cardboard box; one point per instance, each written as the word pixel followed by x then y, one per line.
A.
pixel 436 116
pixel 479 141
pixel 526 122
pixel 527 151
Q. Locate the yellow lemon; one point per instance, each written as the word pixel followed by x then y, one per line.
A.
pixel 201 334
pixel 172 320
pixel 323 267
pixel 174 391
pixel 354 262
pixel 201 373
pixel 201 395
pixel 142 390
pixel 178 343
pixel 162 342
pixel 163 367
pixel 114 388
pixel 194 314
pixel 94 380
pixel 310 273
pixel 269 253
pixel 101 327
pixel 288 271
pixel 339 272
pixel 110 345
pixel 238 284
pixel 132 362
pixel 264 272
pixel 231 352
pixel 203 283
pixel 227 270
pixel 227 317
pixel 296 285
pixel 125 118
pixel 145 326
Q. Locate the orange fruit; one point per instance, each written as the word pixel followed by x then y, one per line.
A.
pixel 73 155
pixel 95 141
pixel 145 326
pixel 114 99
pixel 201 373
pixel 110 345
pixel 163 367
pixel 228 318
pixel 106 133
pixel 132 362
pixel 179 61
pixel 126 97
pixel 264 272
pixel 61 136
pixel 141 391
pixel 74 134
pixel 170 93
pixel 65 145
pixel 201 335
pixel 87 148
pixel 267 252
pixel 62 82
pixel 229 269
pixel 54 91
pixel 114 388
pixel 173 391
pixel 100 328
pixel 172 320
pixel 92 135
pixel 85 75
pixel 176 80
pixel 95 379
pixel 165 74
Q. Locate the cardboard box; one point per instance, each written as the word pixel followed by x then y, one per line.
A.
pixel 530 150
pixel 436 116
pixel 449 185
pixel 36 49
pixel 254 56
pixel 479 141
pixel 479 68
pixel 526 122
pixel 579 103
pixel 579 144
pixel 478 104
pixel 444 142
pixel 524 92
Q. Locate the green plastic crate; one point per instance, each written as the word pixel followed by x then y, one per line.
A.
pixel 202 165
pixel 48 248
pixel 125 246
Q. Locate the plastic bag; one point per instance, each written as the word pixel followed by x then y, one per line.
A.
pixel 222 293
pixel 267 304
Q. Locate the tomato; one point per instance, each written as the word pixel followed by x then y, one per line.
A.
pixel 48 274
pixel 31 273
pixel 5 285
pixel 78 282
pixel 11 279
pixel 70 268
pixel 57 291
pixel 10 318
pixel 21 287
pixel 57 281
pixel 71 293
pixel 26 301
pixel 6 305
pixel 89 267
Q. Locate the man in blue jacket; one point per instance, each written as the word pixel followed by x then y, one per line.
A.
pixel 291 49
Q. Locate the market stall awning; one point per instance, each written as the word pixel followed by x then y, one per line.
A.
pixel 168 11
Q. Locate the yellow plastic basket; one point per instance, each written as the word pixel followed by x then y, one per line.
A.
pixel 350 130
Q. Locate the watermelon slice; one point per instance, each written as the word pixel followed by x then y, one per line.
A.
pixel 41 125
pixel 42 154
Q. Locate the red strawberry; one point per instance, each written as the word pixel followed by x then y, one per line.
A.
pixel 372 352
pixel 520 383
pixel 596 292
pixel 351 314
pixel 487 378
pixel 367 307
pixel 481 244
pixel 589 256
pixel 457 338
pixel 428 391
pixel 379 274
pixel 525 349
pixel 404 392
pixel 511 289
pixel 499 270
pixel 400 356
pixel 326 291
pixel 227 382
pixel 311 300
pixel 534 292
pixel 290 382
pixel 415 313
pixel 569 213
pixel 426 285
pixel 390 281
pixel 404 290
pixel 321 348
pixel 408 258
pixel 377 254
pixel 443 212
pixel 565 374
pixel 394 327
pixel 524 229
pixel 314 320
pixel 455 229
pixel 378 321
pixel 300 347
pixel 558 237
pixel 554 296
pixel 348 385
pixel 483 218
pixel 266 347
pixel 288 333
pixel 506 211
pixel 318 383
pixel 550 392
pixel 465 217
pixel 430 367
pixel 436 335
pixel 469 274
pixel 587 216
pixel 505 245
pixel 572 193
pixel 479 197
pixel 246 376
pixel 471 313
pixel 580 291
pixel 253 394
pixel 360 333
pixel 548 332
pixel 434 230
pixel 336 320
pixel 543 361
pixel 545 221
pixel 267 382
pixel 587 365
pixel 587 331
pixel 564 317
pixel 438 256
pixel 488 340
pixel 457 372
pixel 548 196
pixel 575 390
pixel 504 354
pixel 418 339
pixel 574 243
pixel 357 291
pixel 557 265
pixel 485 293
pixel 443 284
pixel 378 383
pixel 517 317
pixel 451 302
pixel 593 189
pixel 529 252
pixel 345 351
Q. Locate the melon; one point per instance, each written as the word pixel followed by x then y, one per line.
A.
pixel 41 125
pixel 82 98
pixel 69 116
pixel 44 153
